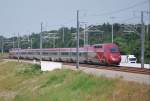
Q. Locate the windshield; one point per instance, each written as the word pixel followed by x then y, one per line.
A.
pixel 113 50
pixel 132 59
pixel 98 46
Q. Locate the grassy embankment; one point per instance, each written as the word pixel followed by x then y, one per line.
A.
pixel 25 82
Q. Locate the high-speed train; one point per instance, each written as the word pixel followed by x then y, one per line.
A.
pixel 107 54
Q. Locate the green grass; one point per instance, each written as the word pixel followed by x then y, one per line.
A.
pixel 25 82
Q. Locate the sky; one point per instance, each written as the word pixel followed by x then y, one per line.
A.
pixel 25 16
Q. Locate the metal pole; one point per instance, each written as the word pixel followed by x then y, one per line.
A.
pixel 142 40
pixel 2 47
pixel 147 30
pixel 13 43
pixel 41 41
pixel 149 11
pixel 31 43
pixel 54 42
pixel 63 36
pixel 112 33
pixel 87 37
pixel 102 36
pixel 149 18
pixel 84 34
pixel 77 42
pixel 18 47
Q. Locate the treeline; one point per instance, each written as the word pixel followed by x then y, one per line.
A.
pixel 127 37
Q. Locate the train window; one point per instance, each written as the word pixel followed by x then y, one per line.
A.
pixel 84 54
pixel 45 53
pixel 98 46
pixel 23 53
pixel 34 53
pixel 37 53
pixel 74 53
pixel 29 52
pixel 64 53
pixel 80 54
pixel 52 53
pixel 113 50
pixel 17 53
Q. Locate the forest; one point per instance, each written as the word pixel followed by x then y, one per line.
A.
pixel 126 36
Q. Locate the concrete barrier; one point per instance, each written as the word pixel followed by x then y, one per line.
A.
pixel 49 66
pixel 137 65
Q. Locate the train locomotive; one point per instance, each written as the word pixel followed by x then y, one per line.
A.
pixel 107 54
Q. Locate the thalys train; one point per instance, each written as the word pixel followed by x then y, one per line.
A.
pixel 107 54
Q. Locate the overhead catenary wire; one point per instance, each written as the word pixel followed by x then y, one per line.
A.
pixel 129 19
pixel 121 10
pixel 107 13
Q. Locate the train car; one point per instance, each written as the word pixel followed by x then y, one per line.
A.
pixel 107 53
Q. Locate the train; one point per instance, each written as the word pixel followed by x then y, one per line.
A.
pixel 107 54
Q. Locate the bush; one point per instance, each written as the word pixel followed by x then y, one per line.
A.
pixel 30 70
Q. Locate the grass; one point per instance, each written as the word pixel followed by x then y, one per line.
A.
pixel 25 82
pixel 4 55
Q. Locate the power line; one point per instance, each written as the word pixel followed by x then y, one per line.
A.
pixel 107 13
pixel 128 19
pixel 121 10
pixel 65 23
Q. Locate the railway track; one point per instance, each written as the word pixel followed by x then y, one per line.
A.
pixel 115 68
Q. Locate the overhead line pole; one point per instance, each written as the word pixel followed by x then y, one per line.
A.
pixel 112 33
pixel 142 40
pixel 77 42
pixel 41 41
pixel 13 42
pixel 18 47
pixel 63 36
pixel 2 46
pixel 149 19
pixel 87 37
pixel 112 30
pixel 148 24
pixel 84 34
pixel 31 43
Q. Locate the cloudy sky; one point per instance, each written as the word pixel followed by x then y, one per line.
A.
pixel 25 16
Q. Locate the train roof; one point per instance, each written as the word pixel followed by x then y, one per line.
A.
pixel 90 47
